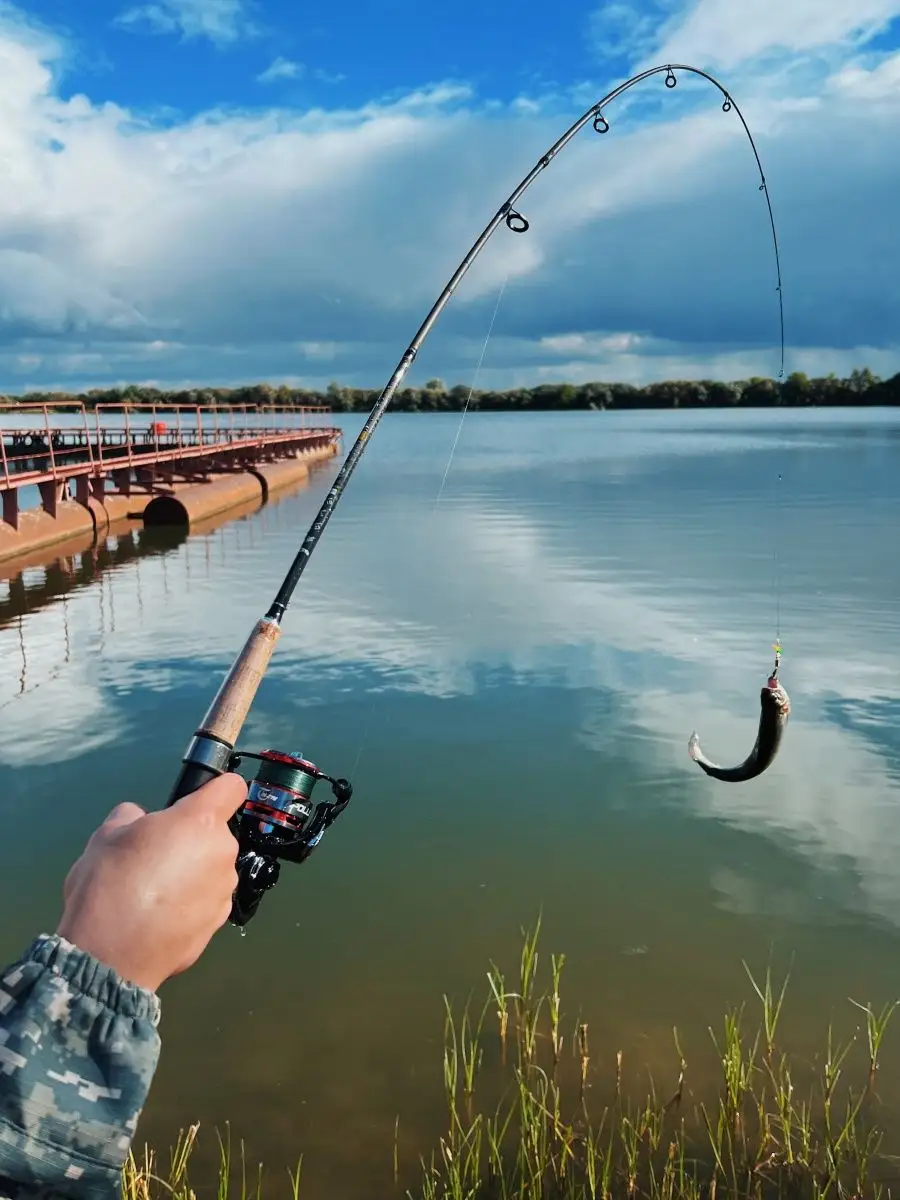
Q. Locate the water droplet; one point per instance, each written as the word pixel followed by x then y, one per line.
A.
pixel 243 931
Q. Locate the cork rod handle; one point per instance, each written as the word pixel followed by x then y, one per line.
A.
pixel 225 717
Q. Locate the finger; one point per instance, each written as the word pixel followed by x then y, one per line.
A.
pixel 221 797
pixel 124 814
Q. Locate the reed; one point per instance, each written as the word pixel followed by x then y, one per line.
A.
pixel 875 1031
pixel 770 1006
pixel 772 1128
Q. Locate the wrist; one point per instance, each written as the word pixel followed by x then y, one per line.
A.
pixel 106 953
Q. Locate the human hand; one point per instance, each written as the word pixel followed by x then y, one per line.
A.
pixel 151 889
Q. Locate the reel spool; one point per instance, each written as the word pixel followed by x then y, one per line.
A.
pixel 278 821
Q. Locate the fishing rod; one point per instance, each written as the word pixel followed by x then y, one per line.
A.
pixel 277 821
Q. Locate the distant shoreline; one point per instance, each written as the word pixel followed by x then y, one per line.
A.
pixel 860 389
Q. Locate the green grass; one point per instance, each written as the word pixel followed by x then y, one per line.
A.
pixel 523 1119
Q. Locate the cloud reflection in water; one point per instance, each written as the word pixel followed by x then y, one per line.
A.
pixel 659 593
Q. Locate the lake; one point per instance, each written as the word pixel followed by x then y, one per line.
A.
pixel 508 668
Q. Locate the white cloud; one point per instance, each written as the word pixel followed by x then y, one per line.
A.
pixel 236 245
pixel 281 68
pixel 324 76
pixel 592 345
pixel 221 21
pixel 727 34
pixel 657 362
pixel 620 29
pixel 325 351
pixel 880 82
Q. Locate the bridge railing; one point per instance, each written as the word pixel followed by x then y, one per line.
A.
pixel 51 440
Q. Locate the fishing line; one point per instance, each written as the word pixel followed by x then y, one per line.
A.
pixel 368 710
pixel 775 703
pixel 211 750
pixel 518 224
pixel 472 388
pixel 776 569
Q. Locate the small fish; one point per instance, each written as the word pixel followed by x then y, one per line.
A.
pixel 776 708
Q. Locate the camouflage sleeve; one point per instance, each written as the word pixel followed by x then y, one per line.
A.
pixel 78 1050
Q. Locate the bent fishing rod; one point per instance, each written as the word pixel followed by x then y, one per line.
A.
pixel 277 821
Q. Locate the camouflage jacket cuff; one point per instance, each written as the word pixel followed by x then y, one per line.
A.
pixel 78 1050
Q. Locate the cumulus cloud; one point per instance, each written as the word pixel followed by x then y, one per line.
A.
pixel 280 68
pixel 221 21
pixel 306 244
pixel 729 35
pixel 622 29
pixel 877 83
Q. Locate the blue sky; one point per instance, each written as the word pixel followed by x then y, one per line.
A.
pixel 220 191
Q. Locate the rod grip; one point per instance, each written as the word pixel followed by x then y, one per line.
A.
pixel 225 717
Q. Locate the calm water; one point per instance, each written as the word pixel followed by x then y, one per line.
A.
pixel 509 677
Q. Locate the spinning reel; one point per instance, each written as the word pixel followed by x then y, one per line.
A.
pixel 277 821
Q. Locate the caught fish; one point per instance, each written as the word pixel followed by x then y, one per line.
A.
pixel 776 708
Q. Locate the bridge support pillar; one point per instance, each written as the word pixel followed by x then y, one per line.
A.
pixel 11 507
pixel 51 494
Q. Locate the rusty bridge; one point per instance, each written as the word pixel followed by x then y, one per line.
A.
pixel 112 460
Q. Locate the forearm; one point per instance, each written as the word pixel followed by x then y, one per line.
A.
pixel 78 1051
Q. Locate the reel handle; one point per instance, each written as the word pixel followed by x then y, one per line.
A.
pixel 257 873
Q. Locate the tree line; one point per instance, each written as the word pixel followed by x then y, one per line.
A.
pixel 862 387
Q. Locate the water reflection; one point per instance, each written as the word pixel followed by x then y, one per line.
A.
pixel 674 621
pixel 110 600
pixel 510 678
pixel 29 589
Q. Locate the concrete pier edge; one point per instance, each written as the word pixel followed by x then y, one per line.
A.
pixel 180 503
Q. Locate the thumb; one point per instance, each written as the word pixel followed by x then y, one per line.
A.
pixel 124 814
pixel 222 796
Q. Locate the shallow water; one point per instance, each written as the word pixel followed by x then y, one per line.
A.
pixel 509 676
